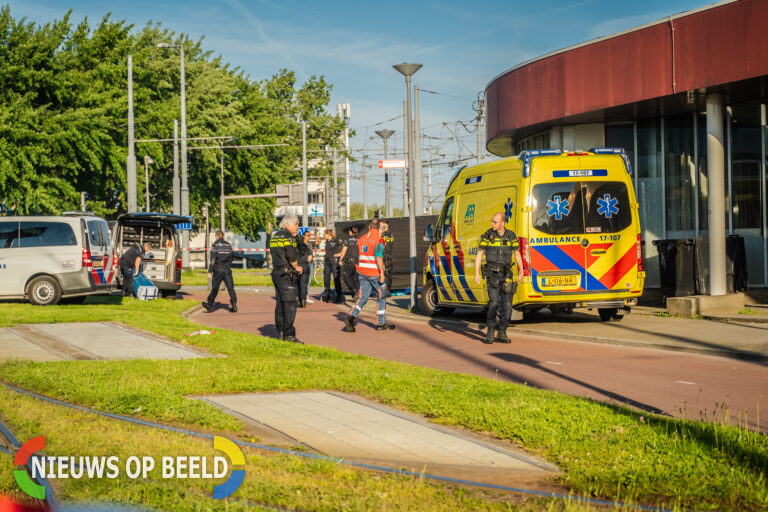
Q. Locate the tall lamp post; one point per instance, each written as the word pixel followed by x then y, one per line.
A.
pixel 184 185
pixel 407 70
pixel 386 134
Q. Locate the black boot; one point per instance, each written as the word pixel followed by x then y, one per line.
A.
pixel 349 324
pixel 501 337
pixel 489 336
pixel 233 308
pixel 207 306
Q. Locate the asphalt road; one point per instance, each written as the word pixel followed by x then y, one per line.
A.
pixel 665 381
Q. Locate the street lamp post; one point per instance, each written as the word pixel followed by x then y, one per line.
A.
pixel 386 134
pixel 407 70
pixel 184 185
pixel 147 160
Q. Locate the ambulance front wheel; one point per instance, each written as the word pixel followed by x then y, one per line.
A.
pixel 609 314
pixel 429 301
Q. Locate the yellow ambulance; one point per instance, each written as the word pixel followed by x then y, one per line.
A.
pixel 576 217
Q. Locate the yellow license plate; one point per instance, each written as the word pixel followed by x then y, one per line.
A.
pixel 559 281
pixel 97 263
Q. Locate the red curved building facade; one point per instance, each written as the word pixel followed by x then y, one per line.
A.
pixel 647 90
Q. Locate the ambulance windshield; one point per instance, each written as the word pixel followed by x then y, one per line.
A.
pixel 581 207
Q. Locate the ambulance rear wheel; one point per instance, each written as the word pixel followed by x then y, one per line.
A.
pixel 429 301
pixel 609 314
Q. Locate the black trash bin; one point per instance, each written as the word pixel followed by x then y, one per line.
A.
pixel 735 265
pixel 677 266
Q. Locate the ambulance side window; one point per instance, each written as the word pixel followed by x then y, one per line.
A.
pixel 444 225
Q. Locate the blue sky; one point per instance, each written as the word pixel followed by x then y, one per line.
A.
pixel 462 45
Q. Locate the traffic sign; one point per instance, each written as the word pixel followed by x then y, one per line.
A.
pixel 391 164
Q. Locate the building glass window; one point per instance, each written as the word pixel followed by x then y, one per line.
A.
pixel 679 174
pixel 701 167
pixel 650 193
pixel 621 135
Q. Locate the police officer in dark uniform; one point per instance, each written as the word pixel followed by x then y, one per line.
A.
pixel 331 269
pixel 348 259
pixel 304 260
pixel 285 276
pixel 500 246
pixel 129 262
pixel 386 236
pixel 220 270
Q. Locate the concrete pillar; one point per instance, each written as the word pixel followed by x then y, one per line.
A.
pixel 716 201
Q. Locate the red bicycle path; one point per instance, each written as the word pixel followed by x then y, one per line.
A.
pixel 678 384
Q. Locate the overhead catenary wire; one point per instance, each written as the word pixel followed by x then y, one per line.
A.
pixel 578 499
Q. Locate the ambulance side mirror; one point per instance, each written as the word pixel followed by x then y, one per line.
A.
pixel 429 233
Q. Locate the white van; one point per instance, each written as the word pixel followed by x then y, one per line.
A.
pixel 48 258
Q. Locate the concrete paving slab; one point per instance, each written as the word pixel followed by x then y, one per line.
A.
pixel 88 340
pixel 352 428
pixel 14 346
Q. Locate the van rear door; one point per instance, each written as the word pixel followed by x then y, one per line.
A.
pixel 100 247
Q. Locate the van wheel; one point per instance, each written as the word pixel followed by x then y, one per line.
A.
pixel 608 314
pixel 44 291
pixel 429 301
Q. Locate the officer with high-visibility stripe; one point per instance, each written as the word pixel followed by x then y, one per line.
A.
pixel 348 258
pixel 500 246
pixel 285 276
pixel 370 269
pixel 389 241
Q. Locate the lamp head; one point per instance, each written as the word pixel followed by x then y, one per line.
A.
pixel 407 69
pixel 385 134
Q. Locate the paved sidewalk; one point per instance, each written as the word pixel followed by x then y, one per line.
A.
pixel 741 336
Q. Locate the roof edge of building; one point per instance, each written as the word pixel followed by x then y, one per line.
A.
pixel 596 40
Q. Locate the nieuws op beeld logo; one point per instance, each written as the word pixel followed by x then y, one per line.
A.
pixel 179 467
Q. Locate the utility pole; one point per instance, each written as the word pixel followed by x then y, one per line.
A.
pixel 130 161
pixel 386 134
pixel 304 184
pixel 480 108
pixel 429 186
pixel 365 190
pixel 326 204
pixel 418 179
pixel 343 110
pixel 82 201
pixel 147 161
pixel 335 190
pixel 207 231
pixel 222 213
pixel 406 154
pixel 176 182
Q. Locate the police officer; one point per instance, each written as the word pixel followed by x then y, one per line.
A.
pixel 348 259
pixel 285 276
pixel 333 247
pixel 220 270
pixel 304 248
pixel 386 236
pixel 499 245
pixel 129 262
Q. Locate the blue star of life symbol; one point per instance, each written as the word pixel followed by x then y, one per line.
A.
pixel 508 209
pixel 608 206
pixel 558 208
pixel 365 248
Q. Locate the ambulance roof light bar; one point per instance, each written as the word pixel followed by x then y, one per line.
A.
pixel 614 151
pixel 528 155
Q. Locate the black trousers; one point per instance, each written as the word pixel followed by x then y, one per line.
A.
pixel 304 279
pixel 388 277
pixel 286 292
pixel 499 303
pixel 127 273
pixel 218 277
pixel 351 279
pixel 331 270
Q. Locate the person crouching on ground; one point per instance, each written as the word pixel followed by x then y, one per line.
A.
pixel 370 269
pixel 221 270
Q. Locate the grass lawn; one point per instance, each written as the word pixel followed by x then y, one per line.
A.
pixel 241 277
pixel 604 451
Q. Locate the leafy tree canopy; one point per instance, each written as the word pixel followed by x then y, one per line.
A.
pixel 64 112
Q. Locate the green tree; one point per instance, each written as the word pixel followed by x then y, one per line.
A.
pixel 63 120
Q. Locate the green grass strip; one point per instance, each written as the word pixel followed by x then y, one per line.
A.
pixel 605 451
